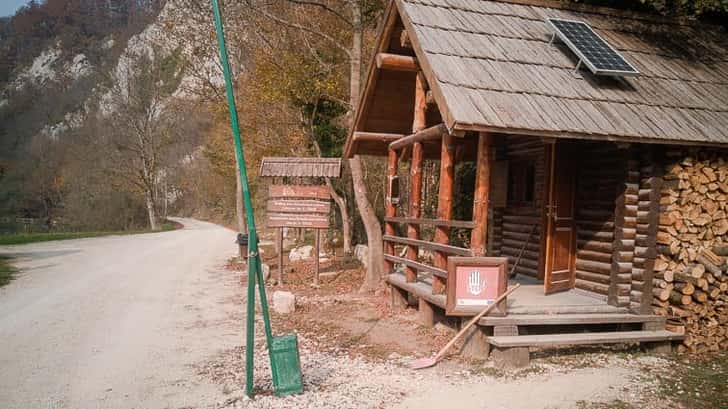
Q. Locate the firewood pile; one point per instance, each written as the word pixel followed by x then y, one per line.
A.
pixel 690 280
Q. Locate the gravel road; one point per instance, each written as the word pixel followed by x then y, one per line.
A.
pixel 119 321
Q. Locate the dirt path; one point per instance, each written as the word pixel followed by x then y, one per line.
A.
pixel 117 322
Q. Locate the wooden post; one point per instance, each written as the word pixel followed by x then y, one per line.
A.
pixel 390 209
pixel 317 250
pixel 480 196
pixel 444 207
pixel 653 223
pixel 279 240
pixel 418 124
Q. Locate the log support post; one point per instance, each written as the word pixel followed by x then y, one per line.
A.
pixel 419 123
pixel 510 358
pixel 654 184
pixel 444 206
pixel 482 189
pixel 399 298
pixel 625 231
pixel 475 342
pixel 390 209
pixel 427 313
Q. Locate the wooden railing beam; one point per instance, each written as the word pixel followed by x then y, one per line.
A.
pixel 396 62
pixel 427 134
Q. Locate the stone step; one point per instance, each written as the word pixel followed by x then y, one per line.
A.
pixel 569 319
pixel 620 337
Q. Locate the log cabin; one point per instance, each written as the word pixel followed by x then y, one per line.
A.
pixel 572 163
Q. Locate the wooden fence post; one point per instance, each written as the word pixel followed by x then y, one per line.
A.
pixel 390 209
pixel 419 123
pixel 444 206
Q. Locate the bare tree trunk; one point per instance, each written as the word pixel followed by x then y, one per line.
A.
pixel 239 213
pixel 151 211
pixel 371 225
pixel 345 218
pixel 366 212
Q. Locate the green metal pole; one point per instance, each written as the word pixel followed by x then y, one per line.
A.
pixel 253 261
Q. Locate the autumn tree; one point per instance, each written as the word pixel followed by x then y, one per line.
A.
pixel 142 123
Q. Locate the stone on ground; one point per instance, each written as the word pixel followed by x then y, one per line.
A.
pixel 284 302
pixel 301 253
pixel 361 252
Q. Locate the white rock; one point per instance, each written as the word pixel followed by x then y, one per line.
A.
pixel 301 253
pixel 265 269
pixel 361 252
pixel 284 302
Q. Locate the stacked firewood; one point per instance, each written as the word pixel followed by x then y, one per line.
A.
pixel 691 277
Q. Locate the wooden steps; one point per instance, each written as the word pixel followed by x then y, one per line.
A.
pixel 569 319
pixel 591 338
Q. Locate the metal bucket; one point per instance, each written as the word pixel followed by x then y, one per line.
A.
pixel 286 365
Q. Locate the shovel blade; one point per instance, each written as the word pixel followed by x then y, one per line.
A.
pixel 423 363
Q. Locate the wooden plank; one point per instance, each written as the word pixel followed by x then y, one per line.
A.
pixel 419 289
pixel 569 319
pixel 619 337
pixel 458 251
pixel 297 191
pixel 432 222
pixel 306 221
pixel 438 272
pixel 298 206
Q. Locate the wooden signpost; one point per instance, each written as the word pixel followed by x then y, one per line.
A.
pixel 296 206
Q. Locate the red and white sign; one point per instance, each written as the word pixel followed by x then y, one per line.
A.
pixel 474 283
pixel 477 285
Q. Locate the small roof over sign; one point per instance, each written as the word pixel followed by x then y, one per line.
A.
pixel 301 167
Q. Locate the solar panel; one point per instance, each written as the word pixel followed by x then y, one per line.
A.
pixel 600 57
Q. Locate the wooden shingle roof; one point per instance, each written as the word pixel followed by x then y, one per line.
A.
pixel 492 68
pixel 300 167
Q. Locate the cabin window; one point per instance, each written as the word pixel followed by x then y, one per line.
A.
pixel 521 183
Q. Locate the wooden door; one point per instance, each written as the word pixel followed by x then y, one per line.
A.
pixel 560 246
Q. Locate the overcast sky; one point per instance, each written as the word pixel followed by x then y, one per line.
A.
pixel 8 7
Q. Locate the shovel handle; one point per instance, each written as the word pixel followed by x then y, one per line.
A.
pixel 474 320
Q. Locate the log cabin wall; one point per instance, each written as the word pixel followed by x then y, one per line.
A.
pixel 513 224
pixel 600 177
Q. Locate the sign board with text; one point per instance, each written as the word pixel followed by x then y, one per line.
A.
pixel 298 206
pixel 298 191
pixel 298 220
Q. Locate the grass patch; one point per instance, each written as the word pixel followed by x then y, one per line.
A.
pixel 615 404
pixel 26 238
pixel 6 270
pixel 697 383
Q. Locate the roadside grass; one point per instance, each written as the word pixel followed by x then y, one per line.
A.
pixel 25 238
pixel 697 383
pixel 6 271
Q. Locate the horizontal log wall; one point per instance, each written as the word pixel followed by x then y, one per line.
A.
pixel 601 170
pixel 516 222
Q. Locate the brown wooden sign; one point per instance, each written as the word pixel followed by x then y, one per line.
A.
pixel 298 206
pixel 298 220
pixel 474 283
pixel 296 191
